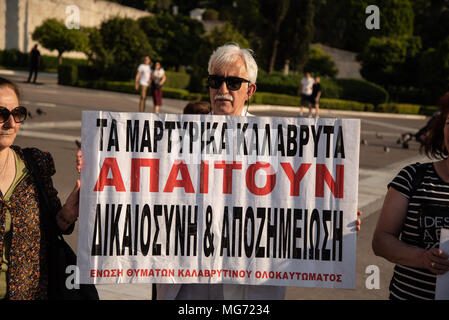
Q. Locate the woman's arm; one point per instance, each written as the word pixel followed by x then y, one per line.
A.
pixel 386 242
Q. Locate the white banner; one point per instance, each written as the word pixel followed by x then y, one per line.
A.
pixel 171 198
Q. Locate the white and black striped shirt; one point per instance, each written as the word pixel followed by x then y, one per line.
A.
pixel 419 229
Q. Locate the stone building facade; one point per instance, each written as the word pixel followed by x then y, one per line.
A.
pixel 19 18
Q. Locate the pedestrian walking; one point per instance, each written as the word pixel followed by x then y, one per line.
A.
pixel 306 87
pixel 157 81
pixel 315 98
pixel 35 61
pixel 142 81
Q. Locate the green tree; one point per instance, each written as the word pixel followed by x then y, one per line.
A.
pixel 341 24
pixel 174 38
pixel 54 35
pixel 279 9
pixel 278 30
pixel 431 21
pixel 434 71
pixel 390 61
pixel 397 18
pixel 297 33
pixel 225 34
pixel 118 46
pixel 320 63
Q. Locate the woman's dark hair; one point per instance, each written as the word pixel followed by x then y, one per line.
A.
pixel 9 84
pixel 434 145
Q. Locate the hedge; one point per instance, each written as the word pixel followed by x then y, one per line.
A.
pixel 338 104
pixel 278 83
pixel 13 58
pixel 286 100
pixel 346 89
pixel 399 108
pixel 274 99
pixel 67 75
pixel 128 87
pixel 178 80
pixel 363 91
pixel 405 108
pixel 71 75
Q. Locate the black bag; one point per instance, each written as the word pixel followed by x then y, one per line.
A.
pixel 156 83
pixel 59 254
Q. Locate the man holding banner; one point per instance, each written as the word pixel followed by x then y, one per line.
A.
pixel 219 206
pixel 232 82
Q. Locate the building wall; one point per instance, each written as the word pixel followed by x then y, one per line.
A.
pixel 345 61
pixel 19 18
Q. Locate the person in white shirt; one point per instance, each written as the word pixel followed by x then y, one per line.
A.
pixel 306 88
pixel 232 81
pixel 142 81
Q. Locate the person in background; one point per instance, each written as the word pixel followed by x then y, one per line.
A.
pixel 306 87
pixel 197 107
pixel 142 81
pixel 158 79
pixel 315 98
pixel 23 245
pixel 35 61
pixel 414 211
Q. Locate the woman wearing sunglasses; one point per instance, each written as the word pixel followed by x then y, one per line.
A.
pixel 23 268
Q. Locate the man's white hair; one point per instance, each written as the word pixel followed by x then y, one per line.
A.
pixel 227 54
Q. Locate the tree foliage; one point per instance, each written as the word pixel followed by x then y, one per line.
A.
pixel 54 35
pixel 175 39
pixel 118 47
pixel 433 70
pixel 390 61
pixel 277 30
pixel 341 24
pixel 320 64
pixel 431 21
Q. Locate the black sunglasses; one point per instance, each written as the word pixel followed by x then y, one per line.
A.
pixel 233 83
pixel 18 113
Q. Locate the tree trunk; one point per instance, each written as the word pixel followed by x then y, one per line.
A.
pixel 60 57
pixel 307 35
pixel 283 9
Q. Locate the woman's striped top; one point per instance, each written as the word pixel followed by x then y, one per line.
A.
pixel 419 229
